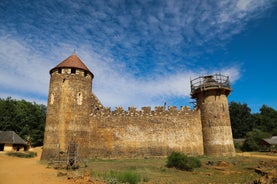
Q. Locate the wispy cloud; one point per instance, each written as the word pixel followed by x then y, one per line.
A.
pixel 130 30
pixel 25 71
pixel 22 68
pixel 140 52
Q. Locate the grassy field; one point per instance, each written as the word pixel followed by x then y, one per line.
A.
pixel 237 169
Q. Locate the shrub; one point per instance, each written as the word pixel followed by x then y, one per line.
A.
pixel 253 139
pixel 238 146
pixel 27 154
pixel 182 162
pixel 274 132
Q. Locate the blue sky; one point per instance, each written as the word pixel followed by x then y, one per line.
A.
pixel 142 53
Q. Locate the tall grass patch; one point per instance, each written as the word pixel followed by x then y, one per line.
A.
pixel 113 177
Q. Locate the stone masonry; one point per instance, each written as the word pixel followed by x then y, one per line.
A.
pixel 75 114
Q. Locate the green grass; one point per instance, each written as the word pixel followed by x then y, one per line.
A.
pixel 27 154
pixel 129 176
pixel 239 170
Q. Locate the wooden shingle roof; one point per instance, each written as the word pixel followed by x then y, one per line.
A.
pixel 10 137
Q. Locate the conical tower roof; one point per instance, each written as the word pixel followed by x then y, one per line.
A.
pixel 72 61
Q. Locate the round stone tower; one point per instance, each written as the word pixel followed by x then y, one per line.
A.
pixel 211 93
pixel 67 119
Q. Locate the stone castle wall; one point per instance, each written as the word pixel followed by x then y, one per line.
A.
pixel 145 133
pixel 75 114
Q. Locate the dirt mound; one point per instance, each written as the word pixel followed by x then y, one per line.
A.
pixel 84 178
pixel 223 164
pixel 267 170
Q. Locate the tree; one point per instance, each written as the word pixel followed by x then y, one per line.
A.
pixel 242 120
pixel 25 118
pixel 266 120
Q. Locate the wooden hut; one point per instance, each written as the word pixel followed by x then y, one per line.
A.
pixel 270 143
pixel 10 141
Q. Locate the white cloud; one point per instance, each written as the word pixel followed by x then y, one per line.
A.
pixel 22 68
pixel 244 4
pixel 157 42
pixel 114 84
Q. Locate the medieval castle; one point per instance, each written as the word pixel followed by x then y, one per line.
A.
pixel 75 114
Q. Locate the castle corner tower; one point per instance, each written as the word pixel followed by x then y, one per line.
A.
pixel 69 100
pixel 211 93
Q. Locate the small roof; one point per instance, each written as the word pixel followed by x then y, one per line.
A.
pixel 72 61
pixel 10 137
pixel 272 140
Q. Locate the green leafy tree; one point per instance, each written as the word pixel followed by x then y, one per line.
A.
pixel 266 120
pixel 25 118
pixel 242 121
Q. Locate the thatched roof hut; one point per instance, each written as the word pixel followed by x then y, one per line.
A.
pixel 9 141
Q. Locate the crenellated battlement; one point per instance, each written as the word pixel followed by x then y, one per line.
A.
pixel 144 111
pixel 75 111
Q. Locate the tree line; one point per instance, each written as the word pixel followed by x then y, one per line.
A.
pixel 243 121
pixel 27 119
pixel 252 126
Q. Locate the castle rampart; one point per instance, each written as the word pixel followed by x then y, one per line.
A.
pixel 145 133
pixel 75 114
pixel 145 111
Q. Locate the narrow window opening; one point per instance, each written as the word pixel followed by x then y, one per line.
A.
pixel 79 98
pixel 73 70
pixel 85 73
pixel 52 98
pixel 59 70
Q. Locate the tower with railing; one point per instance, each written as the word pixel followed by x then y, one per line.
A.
pixel 211 93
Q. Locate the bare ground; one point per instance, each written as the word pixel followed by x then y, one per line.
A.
pixel 14 170
pixel 249 154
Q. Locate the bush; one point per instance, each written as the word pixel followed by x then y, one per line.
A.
pixel 182 162
pixel 28 154
pixel 238 146
pixel 274 132
pixel 122 177
pixel 253 140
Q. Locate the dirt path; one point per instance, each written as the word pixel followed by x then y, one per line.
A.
pixel 249 154
pixel 15 170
